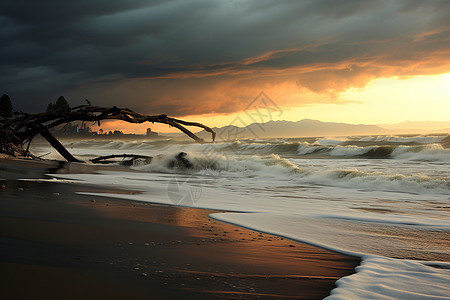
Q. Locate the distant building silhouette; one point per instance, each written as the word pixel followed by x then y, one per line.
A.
pixel 151 134
pixel 73 130
pixel 84 130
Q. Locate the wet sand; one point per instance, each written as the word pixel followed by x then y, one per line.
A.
pixel 57 244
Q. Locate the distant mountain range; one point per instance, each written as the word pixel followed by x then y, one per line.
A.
pixel 302 128
pixel 418 126
pixel 312 128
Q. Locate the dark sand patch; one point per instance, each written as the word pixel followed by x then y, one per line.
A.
pixel 56 244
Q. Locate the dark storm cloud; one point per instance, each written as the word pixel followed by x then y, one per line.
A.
pixel 92 48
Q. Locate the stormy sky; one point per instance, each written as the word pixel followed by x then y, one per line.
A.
pixel 183 57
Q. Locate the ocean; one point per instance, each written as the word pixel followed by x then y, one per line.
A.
pixel 385 199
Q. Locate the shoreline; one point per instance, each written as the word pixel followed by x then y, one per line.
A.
pixel 71 245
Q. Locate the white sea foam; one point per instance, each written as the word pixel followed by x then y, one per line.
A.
pixel 373 147
pixel 263 166
pixel 422 139
pixel 354 178
pixel 431 152
pixel 350 150
pixel 331 141
pixel 387 278
pixel 273 166
pixel 368 139
pixel 380 176
pixel 329 217
pixel 373 208
pixel 306 148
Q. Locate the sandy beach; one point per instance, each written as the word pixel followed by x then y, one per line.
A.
pixel 58 244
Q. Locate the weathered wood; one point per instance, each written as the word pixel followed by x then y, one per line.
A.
pixel 10 144
pixel 46 134
pixel 104 159
pixel 26 126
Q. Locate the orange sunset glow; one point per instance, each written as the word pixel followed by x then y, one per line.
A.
pixel 354 62
pixel 225 149
pixel 380 101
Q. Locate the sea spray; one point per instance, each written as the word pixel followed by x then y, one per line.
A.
pixel 395 206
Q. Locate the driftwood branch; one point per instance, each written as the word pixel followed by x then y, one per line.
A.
pixel 46 134
pixel 24 127
pixel 106 159
pixel 30 125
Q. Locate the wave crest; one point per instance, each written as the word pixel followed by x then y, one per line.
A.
pixel 277 168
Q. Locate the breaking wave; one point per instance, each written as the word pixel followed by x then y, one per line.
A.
pixel 287 159
pixel 419 148
pixel 261 166
pixel 353 178
pixel 277 168
pixel 428 152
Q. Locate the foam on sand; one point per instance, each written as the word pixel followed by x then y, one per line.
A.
pixel 386 278
pixel 384 199
pixel 377 277
pixel 339 222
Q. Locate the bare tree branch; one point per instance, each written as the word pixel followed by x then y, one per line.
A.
pixel 25 127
